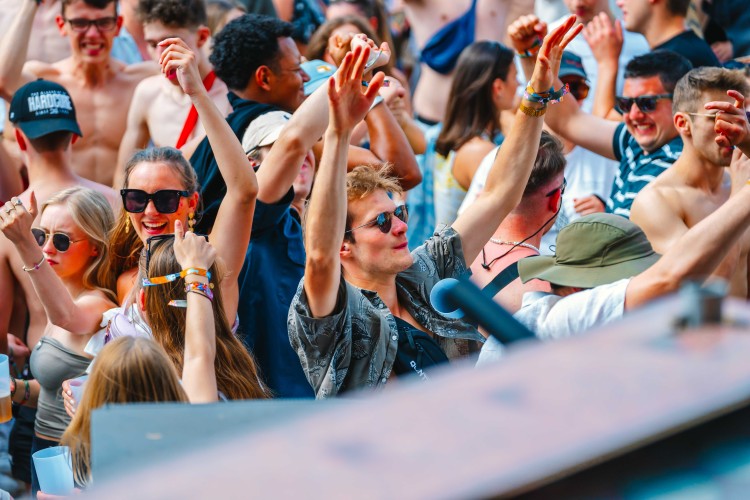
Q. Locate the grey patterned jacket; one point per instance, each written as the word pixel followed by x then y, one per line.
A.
pixel 356 345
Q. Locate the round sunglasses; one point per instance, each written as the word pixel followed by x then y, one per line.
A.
pixel 166 201
pixel 60 241
pixel 646 103
pixel 384 220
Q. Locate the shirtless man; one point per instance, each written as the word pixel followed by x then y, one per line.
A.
pixel 698 182
pixel 101 86
pixel 160 110
pixel 428 17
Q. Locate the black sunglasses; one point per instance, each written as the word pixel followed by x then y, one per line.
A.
pixel 102 24
pixel 646 103
pixel 153 241
pixel 384 219
pixel 60 241
pixel 561 188
pixel 166 201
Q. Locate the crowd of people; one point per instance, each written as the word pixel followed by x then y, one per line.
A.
pixel 213 200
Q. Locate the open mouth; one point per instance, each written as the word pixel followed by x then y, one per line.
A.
pixel 152 228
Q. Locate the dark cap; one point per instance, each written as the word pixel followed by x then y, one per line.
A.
pixel 594 250
pixel 571 65
pixel 42 107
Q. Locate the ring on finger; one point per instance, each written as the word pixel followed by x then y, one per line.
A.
pixel 17 202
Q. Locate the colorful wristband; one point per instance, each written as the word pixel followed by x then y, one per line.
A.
pixel 161 280
pixel 531 51
pixel 552 96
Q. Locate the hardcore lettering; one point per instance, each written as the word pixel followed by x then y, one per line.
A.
pixel 49 100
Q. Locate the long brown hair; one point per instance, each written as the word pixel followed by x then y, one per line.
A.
pixel 126 245
pixel 237 375
pixel 471 110
pixel 92 213
pixel 127 370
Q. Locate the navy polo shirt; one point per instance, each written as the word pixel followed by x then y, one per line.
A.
pixel 274 266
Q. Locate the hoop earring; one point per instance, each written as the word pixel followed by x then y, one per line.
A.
pixel 191 221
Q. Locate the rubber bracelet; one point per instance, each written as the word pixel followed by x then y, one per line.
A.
pixel 36 266
pixel 531 51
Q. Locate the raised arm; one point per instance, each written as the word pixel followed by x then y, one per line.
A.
pixel 512 167
pixel 566 118
pixel 605 39
pixel 231 232
pixel 732 126
pixel 326 213
pixel 136 134
pixel 198 365
pixel 13 50
pixel 80 316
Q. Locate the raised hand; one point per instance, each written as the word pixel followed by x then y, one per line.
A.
pixel 379 56
pixel 349 100
pixel 548 59
pixel 732 127
pixel 525 32
pixel 178 59
pixel 604 38
pixel 16 220
pixel 192 250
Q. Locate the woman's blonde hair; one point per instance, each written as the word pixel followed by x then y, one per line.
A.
pixel 127 370
pixel 237 375
pixel 91 212
pixel 126 245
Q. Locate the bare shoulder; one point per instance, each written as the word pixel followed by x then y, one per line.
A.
pixel 125 283
pixel 95 299
pixel 476 149
pixel 149 87
pixel 139 71
pixel 42 69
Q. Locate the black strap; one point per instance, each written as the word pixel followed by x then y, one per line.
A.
pixel 502 280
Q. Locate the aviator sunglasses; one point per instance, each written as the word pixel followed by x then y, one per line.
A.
pixel 384 220
pixel 166 201
pixel 60 241
pixel 646 103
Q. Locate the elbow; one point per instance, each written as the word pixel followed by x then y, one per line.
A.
pixel 410 180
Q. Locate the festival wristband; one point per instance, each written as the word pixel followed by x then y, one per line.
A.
pixel 531 51
pixel 203 288
pixel 161 280
pixel 531 111
pixel 551 96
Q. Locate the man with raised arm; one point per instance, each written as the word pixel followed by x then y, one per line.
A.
pixel 698 183
pixel 646 143
pixel 364 297
pixel 160 111
pixel 100 86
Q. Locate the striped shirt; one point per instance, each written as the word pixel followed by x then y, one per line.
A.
pixel 637 168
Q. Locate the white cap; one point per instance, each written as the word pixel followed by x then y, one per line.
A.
pixel 264 130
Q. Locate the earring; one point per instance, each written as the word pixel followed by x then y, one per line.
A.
pixel 191 221
pixel 127 224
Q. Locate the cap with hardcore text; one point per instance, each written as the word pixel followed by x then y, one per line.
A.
pixel 42 107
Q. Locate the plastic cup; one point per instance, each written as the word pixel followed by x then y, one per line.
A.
pixel 77 386
pixel 54 468
pixel 5 403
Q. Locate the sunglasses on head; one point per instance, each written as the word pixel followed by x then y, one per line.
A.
pixel 81 25
pixel 646 103
pixel 60 241
pixel 166 201
pixel 153 241
pixel 384 219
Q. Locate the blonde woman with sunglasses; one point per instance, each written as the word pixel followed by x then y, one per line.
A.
pixel 66 258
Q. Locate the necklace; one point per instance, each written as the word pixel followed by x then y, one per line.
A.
pixel 515 244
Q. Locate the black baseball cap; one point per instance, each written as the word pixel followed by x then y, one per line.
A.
pixel 42 107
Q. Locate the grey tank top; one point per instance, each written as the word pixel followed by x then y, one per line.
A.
pixel 51 364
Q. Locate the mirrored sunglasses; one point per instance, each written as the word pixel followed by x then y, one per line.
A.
pixel 384 220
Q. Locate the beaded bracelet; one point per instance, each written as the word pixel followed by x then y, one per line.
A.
pixel 26 392
pixel 531 51
pixel 204 288
pixel 35 267
pixel 160 280
pixel 552 96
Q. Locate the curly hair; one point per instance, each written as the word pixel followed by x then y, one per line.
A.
pixel 173 13
pixel 244 45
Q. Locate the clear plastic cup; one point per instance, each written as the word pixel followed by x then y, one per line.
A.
pixel 5 403
pixel 77 385
pixel 54 468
